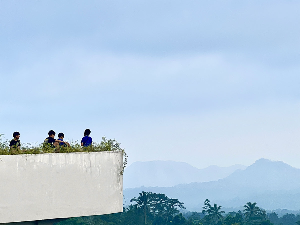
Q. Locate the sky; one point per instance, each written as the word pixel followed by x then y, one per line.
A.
pixel 202 82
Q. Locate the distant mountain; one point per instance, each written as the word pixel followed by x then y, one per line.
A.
pixel 170 173
pixel 267 175
pixel 271 184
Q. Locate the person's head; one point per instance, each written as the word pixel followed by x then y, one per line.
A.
pixel 51 133
pixel 16 135
pixel 87 132
pixel 61 135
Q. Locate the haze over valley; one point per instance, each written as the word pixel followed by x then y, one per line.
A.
pixel 169 173
pixel 272 184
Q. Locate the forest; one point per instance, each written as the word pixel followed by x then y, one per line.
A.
pixel 158 209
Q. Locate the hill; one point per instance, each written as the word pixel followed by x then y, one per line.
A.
pixel 170 173
pixel 271 184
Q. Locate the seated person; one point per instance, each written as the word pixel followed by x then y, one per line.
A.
pixel 53 143
pixel 86 140
pixel 61 138
pixel 15 143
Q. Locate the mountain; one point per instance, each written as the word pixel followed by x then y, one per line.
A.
pixel 271 184
pixel 267 175
pixel 170 173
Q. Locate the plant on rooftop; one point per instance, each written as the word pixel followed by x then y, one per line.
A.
pixel 104 145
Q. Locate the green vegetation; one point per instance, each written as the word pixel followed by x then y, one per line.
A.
pixel 158 209
pixel 104 145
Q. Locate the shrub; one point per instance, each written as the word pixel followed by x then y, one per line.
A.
pixel 104 145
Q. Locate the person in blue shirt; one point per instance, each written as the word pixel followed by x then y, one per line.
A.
pixel 61 138
pixel 86 140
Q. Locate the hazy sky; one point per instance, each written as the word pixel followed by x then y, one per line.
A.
pixel 204 82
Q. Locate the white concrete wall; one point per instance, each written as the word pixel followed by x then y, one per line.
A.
pixel 60 185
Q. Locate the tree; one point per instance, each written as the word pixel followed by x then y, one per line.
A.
pixel 179 220
pixel 157 206
pixel 288 219
pixel 214 212
pixel 195 218
pixel 253 214
pixel 165 207
pixel 251 210
pixel 143 202
pixel 234 218
pixel 273 217
pixel 132 216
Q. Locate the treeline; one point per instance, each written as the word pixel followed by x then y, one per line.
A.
pixel 158 209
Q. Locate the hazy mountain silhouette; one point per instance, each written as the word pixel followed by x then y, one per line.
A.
pixel 268 175
pixel 271 184
pixel 170 173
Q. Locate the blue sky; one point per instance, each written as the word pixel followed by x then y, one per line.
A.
pixel 208 83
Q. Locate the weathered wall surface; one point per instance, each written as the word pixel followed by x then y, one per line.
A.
pixel 60 185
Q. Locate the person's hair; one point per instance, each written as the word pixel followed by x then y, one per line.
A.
pixel 51 132
pixel 87 132
pixel 16 134
pixel 61 135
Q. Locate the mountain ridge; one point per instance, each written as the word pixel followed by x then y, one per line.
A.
pixel 169 173
pixel 272 184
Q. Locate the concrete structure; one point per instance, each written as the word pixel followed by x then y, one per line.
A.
pixel 60 185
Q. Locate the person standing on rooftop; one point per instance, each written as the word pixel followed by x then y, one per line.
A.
pixel 86 140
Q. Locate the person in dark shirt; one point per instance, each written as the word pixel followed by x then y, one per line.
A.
pixel 86 140
pixel 61 138
pixel 50 141
pixel 15 144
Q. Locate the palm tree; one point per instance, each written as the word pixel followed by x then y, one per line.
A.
pixel 214 212
pixel 251 211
